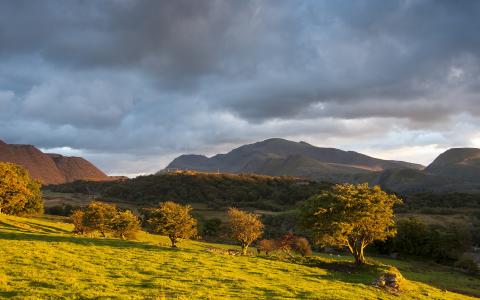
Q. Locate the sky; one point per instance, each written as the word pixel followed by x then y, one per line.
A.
pixel 130 85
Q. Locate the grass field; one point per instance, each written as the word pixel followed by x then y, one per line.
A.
pixel 41 259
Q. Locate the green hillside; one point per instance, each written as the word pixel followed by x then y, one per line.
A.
pixel 40 258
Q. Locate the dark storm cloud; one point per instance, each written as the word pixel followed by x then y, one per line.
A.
pixel 162 77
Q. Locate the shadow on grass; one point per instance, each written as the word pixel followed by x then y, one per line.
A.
pixel 339 270
pixel 8 294
pixel 12 227
pixel 46 228
pixel 86 241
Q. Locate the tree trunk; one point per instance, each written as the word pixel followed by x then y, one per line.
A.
pixel 356 248
pixel 174 241
pixel 103 233
pixel 244 249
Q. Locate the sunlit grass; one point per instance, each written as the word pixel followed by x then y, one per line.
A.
pixel 40 258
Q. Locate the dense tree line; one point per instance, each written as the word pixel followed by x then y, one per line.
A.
pixel 440 201
pixel 216 190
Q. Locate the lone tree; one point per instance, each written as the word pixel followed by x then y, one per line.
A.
pixel 19 193
pixel 125 224
pixel 350 215
pixel 98 216
pixel 244 227
pixel 173 220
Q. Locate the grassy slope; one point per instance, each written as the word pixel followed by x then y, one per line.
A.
pixel 39 258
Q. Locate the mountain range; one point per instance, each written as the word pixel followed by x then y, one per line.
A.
pixel 50 168
pixel 457 169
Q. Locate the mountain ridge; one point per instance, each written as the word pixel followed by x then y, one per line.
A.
pixel 455 170
pixel 260 157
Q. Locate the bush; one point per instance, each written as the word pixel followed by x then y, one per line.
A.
pixel 267 246
pixel 212 227
pixel 412 237
pixel 468 264
pixel 61 210
pixel 302 246
pixel 77 220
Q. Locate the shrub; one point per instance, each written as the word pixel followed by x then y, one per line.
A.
pixel 77 220
pixel 212 227
pixel 267 246
pixel 244 227
pixel 125 224
pixel 412 235
pixel 467 264
pixel 302 246
pixel 61 210
pixel 173 220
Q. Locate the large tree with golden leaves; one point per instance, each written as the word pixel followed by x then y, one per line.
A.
pixel 19 193
pixel 352 216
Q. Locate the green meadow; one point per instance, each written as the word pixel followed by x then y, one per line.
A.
pixel 41 259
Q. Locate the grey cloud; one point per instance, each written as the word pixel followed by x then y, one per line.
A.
pixel 136 79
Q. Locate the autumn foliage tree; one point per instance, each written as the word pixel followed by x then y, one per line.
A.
pixel 173 220
pixel 244 227
pixel 350 215
pixel 19 193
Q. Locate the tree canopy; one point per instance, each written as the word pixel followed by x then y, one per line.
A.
pixel 19 193
pixel 173 220
pixel 352 216
pixel 244 227
pixel 98 216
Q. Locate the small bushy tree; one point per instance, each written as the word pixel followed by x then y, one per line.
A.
pixel 350 215
pixel 98 216
pixel 173 220
pixel 19 193
pixel 244 227
pixel 125 224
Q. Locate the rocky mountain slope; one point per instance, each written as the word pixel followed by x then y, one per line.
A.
pixel 50 168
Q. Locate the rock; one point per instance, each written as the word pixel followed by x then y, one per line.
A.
pixel 392 279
